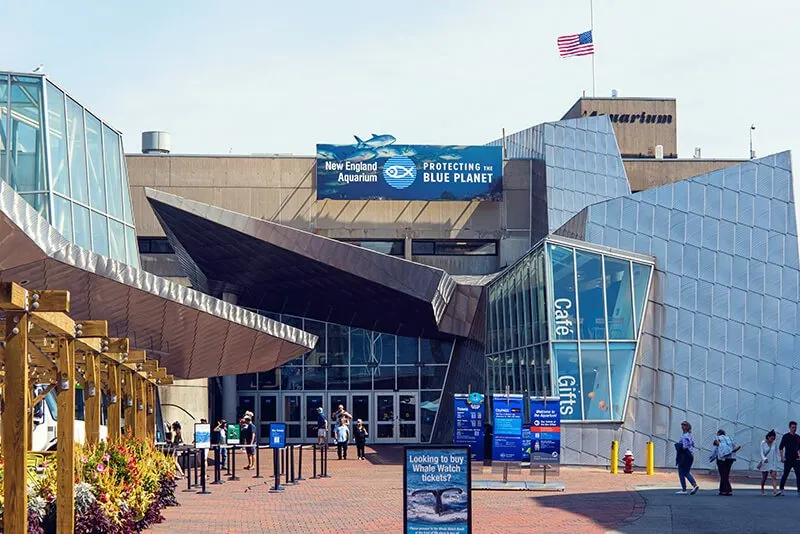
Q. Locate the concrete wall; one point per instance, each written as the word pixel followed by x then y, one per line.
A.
pixel 185 401
pixel 635 136
pixel 647 173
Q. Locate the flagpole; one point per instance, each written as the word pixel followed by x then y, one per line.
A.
pixel 591 29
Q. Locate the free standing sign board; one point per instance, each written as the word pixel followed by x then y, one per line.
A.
pixel 233 435
pixel 469 422
pixel 437 490
pixel 277 435
pixel 545 430
pixel 507 440
pixel 202 435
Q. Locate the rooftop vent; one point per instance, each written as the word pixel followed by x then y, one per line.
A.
pixel 659 151
pixel 613 93
pixel 697 152
pixel 156 143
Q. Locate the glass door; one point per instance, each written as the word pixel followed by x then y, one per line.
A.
pixel 313 401
pixel 267 413
pixel 334 401
pixel 385 418
pixel 361 411
pixel 293 417
pixel 407 417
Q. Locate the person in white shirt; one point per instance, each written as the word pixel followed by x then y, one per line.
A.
pixel 769 461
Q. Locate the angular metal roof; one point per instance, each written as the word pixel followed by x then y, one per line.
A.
pixel 193 335
pixel 281 269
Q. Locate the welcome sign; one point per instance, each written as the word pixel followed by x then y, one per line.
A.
pixel 379 169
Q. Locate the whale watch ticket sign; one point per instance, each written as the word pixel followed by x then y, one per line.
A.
pixel 545 430
pixel 469 422
pixel 377 168
pixel 437 486
pixel 507 440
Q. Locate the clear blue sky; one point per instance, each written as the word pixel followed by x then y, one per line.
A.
pixel 258 77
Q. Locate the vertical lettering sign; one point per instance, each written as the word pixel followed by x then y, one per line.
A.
pixel 437 486
pixel 376 168
pixel 545 430
pixel 507 440
pixel 469 422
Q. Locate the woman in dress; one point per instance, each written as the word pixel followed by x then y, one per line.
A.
pixel 769 462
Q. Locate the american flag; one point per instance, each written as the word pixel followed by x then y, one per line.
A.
pixel 578 44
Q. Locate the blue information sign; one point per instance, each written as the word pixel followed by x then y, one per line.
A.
pixel 545 430
pixel 469 422
pixel 437 484
pixel 507 442
pixel 375 168
pixel 277 435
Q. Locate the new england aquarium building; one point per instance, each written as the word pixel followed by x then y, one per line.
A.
pixel 638 309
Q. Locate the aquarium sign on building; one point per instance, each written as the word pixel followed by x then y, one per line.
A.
pixel 379 169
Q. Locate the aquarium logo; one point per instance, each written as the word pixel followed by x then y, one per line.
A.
pixel 399 172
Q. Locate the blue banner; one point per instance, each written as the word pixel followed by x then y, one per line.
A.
pixel 376 168
pixel 277 435
pixel 545 430
pixel 469 422
pixel 507 442
pixel 437 487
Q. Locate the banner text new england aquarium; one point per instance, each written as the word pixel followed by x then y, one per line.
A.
pixel 379 169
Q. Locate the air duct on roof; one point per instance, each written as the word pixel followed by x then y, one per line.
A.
pixel 156 142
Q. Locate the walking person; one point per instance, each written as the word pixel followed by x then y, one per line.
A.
pixel 177 441
pixel 322 427
pixel 222 438
pixel 341 414
pixel 248 436
pixel 685 458
pixel 725 453
pixel 769 462
pixel 360 434
pixel 342 438
pixel 789 450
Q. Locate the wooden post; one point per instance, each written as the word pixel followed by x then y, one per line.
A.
pixel 127 393
pixel 65 449
pixel 114 408
pixel 140 431
pixel 15 424
pixel 92 402
pixel 151 413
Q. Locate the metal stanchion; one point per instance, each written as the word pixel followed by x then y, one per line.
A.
pixel 258 462
pixel 203 473
pixel 232 459
pixel 291 462
pixel 194 461
pixel 286 467
pixel 228 463
pixel 276 472
pixel 217 466
pixel 188 472
pixel 300 463
pixel 314 462
pixel 325 462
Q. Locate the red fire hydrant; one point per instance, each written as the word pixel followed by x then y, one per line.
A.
pixel 628 459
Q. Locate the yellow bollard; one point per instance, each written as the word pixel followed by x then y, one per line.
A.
pixel 614 457
pixel 650 447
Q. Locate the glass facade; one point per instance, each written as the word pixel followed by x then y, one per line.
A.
pixel 67 164
pixel 565 321
pixel 360 362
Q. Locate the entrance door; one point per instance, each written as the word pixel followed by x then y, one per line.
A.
pixel 267 413
pixel 313 401
pixel 334 401
pixel 361 411
pixel 396 417
pixel 293 417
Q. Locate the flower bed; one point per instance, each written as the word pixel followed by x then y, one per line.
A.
pixel 120 487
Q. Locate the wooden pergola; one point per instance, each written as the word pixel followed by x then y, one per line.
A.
pixel 43 345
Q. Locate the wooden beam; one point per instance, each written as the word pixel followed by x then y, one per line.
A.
pixel 161 372
pixel 57 323
pixel 92 402
pixel 165 381
pixel 151 413
pixel 50 300
pixel 13 296
pixel 40 397
pixel 136 356
pixel 128 408
pixel 92 328
pixel 140 431
pixel 15 419
pixel 150 366
pixel 65 447
pixel 89 344
pixel 118 345
pixel 114 408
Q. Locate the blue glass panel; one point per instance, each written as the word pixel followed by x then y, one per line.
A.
pixel 619 301
pixel 435 351
pixel 360 377
pixel 407 350
pixel 641 276
pixel 407 377
pixel 26 147
pixel 3 123
pixel 371 348
pixel 82 230
pixel 131 248
pixel 126 196
pixel 99 234
pixel 563 267
pixel 596 397
pixel 338 344
pixel 113 172
pixel 569 386
pixel 39 203
pixel 313 377
pixel 432 376
pixel 62 216
pixel 116 239
pixel 57 139
pixel 77 152
pixel 94 146
pixel 338 378
pixel 590 295
pixel 383 377
pixel 621 356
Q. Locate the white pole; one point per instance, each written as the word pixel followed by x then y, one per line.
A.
pixel 591 29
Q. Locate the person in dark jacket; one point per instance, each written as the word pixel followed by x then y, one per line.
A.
pixel 360 434
pixel 789 450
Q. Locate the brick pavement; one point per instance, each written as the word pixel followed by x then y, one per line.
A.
pixel 366 496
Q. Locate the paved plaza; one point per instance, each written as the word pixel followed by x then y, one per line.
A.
pixel 366 496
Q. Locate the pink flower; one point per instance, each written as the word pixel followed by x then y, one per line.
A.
pixel 100 468
pixel 106 457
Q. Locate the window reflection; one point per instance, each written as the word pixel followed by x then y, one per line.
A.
pixel 619 301
pixel 596 394
pixel 590 295
pixel 57 138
